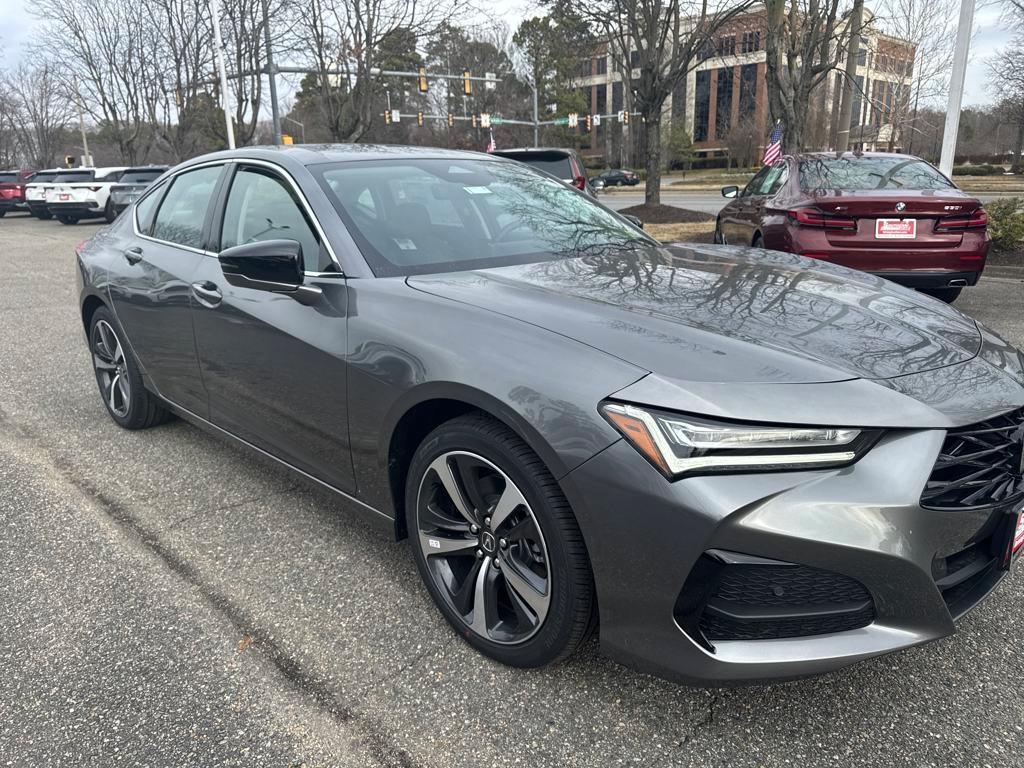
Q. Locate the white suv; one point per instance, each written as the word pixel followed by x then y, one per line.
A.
pixel 82 193
pixel 35 192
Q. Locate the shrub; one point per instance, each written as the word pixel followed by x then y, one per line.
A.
pixel 1006 223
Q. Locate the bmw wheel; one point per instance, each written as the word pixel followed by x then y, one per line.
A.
pixel 497 544
pixel 126 398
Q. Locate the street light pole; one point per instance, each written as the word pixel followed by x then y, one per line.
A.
pixel 219 51
pixel 956 86
pixel 536 119
pixel 271 75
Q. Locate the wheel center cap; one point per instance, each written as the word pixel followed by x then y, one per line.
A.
pixel 487 543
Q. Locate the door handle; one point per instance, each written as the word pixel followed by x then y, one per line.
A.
pixel 207 293
pixel 133 255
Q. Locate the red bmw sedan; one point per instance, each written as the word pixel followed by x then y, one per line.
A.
pixel 895 216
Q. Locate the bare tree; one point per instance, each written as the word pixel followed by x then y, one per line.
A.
pixel 654 45
pixel 38 112
pixel 1008 84
pixel 803 45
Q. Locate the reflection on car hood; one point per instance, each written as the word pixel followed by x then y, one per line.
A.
pixel 725 313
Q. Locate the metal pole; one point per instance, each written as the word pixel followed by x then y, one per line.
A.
pixel 271 75
pixel 956 86
pixel 222 71
pixel 850 81
pixel 87 158
pixel 536 119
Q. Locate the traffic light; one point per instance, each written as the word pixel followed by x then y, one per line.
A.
pixel 574 120
pixel 625 117
pixel 387 117
pixel 424 87
pixel 485 120
pixel 69 161
pixel 286 139
pixel 467 84
pixel 451 120
pixel 419 118
pixel 474 121
pixel 588 123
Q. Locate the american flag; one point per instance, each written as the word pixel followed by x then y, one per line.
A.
pixel 492 145
pixel 774 149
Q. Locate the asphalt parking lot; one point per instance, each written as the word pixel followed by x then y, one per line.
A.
pixel 168 600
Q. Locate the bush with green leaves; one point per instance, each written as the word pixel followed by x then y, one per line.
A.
pixel 1006 223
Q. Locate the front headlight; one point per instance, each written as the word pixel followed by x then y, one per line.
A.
pixel 680 444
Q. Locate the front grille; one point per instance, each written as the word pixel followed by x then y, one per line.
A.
pixel 737 597
pixel 979 465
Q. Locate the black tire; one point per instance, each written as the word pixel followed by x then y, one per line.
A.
pixel 948 295
pixel 2 214
pixel 143 409
pixel 45 216
pixel 108 212
pixel 571 607
pixel 718 232
pixel 67 218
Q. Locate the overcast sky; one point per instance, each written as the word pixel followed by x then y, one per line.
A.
pixel 16 25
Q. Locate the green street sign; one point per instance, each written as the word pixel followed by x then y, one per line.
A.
pixel 496 121
pixel 561 121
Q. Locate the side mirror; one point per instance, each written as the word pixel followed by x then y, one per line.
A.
pixel 633 220
pixel 730 191
pixel 268 265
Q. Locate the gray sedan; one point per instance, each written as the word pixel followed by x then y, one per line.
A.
pixel 739 464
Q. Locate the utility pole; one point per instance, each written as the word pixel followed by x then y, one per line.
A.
pixel 86 158
pixel 219 52
pixel 956 86
pixel 271 75
pixel 536 119
pixel 850 81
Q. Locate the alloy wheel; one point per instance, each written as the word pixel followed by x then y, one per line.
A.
pixel 483 547
pixel 111 369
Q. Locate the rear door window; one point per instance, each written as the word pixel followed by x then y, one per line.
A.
pixel 141 177
pixel 70 177
pixel 7 178
pixel 183 210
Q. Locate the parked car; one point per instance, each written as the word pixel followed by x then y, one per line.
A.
pixel 12 191
pixel 743 464
pixel 564 164
pixel 83 194
pixel 892 215
pixel 132 184
pixel 617 177
pixel 35 192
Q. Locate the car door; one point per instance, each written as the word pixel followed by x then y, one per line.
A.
pixel 741 219
pixel 150 285
pixel 274 368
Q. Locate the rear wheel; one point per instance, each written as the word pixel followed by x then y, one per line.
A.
pixel 719 237
pixel 127 400
pixel 497 544
pixel 67 218
pixel 44 216
pixel 2 214
pixel 948 295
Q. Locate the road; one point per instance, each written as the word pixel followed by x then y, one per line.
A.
pixel 168 600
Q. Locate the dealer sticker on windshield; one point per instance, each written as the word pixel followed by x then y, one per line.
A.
pixel 895 229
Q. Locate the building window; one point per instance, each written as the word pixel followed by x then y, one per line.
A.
pixel 723 103
pixel 750 42
pixel 617 96
pixel 862 57
pixel 586 68
pixel 858 102
pixel 602 65
pixel 602 99
pixel 702 105
pixel 707 50
pixel 634 59
pixel 748 90
pixel 727 45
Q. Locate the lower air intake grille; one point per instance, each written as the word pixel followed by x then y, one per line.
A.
pixel 737 597
pixel 979 465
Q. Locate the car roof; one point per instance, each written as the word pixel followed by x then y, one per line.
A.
pixel 529 150
pixel 317 154
pixel 140 168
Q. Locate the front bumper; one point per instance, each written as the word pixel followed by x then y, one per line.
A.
pixel 645 535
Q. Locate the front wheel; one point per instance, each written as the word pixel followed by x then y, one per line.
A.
pixel 497 544
pixel 948 295
pixel 108 212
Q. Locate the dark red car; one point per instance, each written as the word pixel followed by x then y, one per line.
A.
pixel 12 190
pixel 892 215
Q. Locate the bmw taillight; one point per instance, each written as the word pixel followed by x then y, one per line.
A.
pixel 580 182
pixel 811 217
pixel 976 220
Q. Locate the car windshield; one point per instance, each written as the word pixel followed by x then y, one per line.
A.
pixel 72 176
pixel 8 177
pixel 428 216
pixel 143 176
pixel 866 173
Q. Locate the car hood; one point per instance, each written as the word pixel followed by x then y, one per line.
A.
pixel 725 314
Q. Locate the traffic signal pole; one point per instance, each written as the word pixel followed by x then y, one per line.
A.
pixel 275 110
pixel 218 45
pixel 956 86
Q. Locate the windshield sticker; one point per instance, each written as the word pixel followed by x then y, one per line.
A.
pixel 477 190
pixel 405 245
